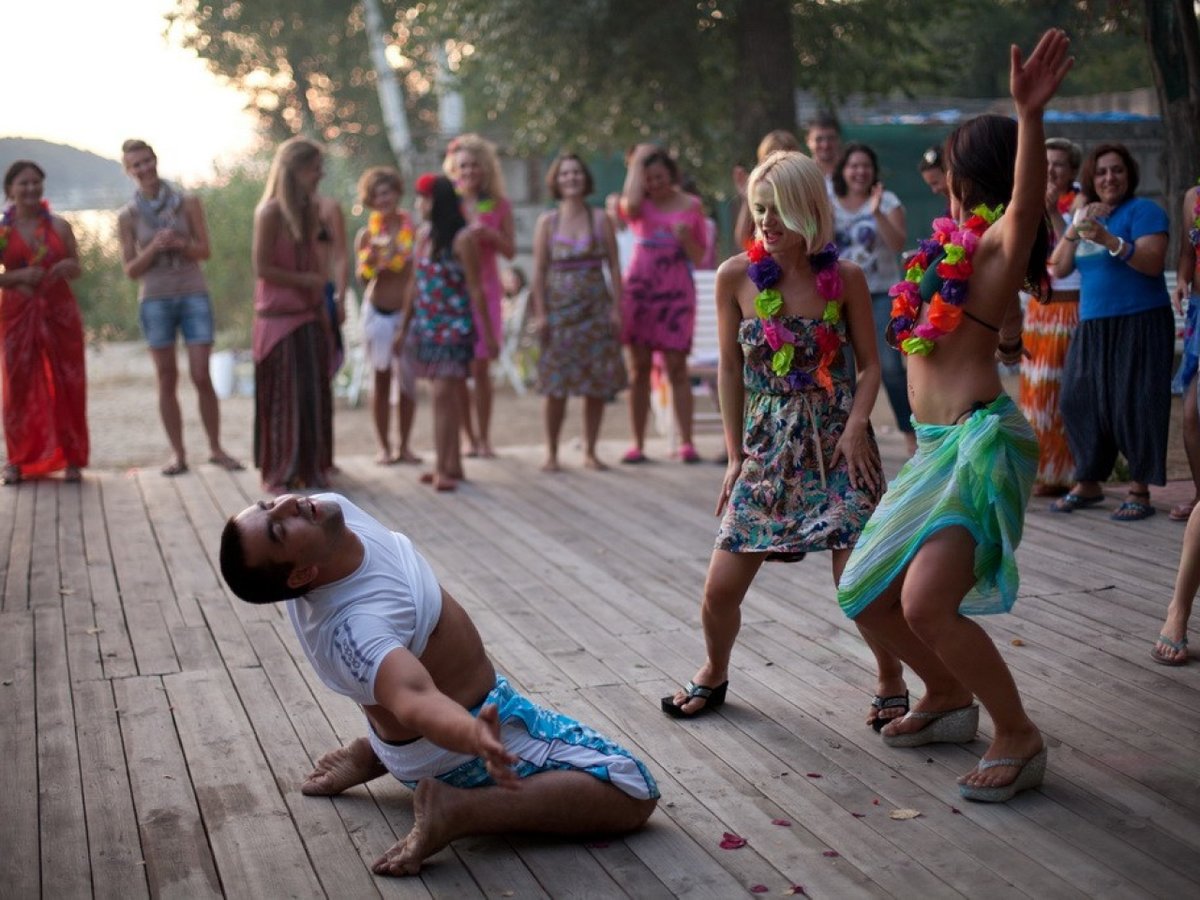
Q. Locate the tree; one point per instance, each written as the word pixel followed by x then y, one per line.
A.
pixel 1173 36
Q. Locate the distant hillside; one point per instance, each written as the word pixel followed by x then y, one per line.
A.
pixel 75 179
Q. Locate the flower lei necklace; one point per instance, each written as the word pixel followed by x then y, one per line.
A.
pixel 1065 201
pixel 946 308
pixel 400 243
pixel 40 243
pixel 765 272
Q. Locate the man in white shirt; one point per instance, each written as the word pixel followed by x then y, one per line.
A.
pixel 379 629
pixel 823 137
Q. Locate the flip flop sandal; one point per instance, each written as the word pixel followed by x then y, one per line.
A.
pixel 1179 646
pixel 897 701
pixel 1181 512
pixel 1132 511
pixel 713 698
pixel 1072 501
pixel 633 456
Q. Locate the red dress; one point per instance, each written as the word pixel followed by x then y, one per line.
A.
pixel 45 389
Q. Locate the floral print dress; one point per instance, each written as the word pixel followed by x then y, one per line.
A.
pixel 789 499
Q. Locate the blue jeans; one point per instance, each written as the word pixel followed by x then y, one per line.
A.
pixel 162 318
pixel 891 363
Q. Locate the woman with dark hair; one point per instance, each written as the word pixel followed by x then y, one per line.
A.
pixel 658 310
pixel 577 316
pixel 932 169
pixel 1116 385
pixel 870 230
pixel 1050 323
pixel 41 332
pixel 449 290
pixel 293 402
pixel 942 541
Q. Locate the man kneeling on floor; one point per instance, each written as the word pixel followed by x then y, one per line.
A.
pixel 379 629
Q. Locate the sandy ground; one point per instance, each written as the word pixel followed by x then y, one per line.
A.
pixel 126 431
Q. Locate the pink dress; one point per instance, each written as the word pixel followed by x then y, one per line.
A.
pixel 489 274
pixel 659 304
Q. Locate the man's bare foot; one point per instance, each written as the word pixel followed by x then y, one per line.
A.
pixel 551 465
pixel 343 768
pixel 428 834
pixel 1019 745
pixel 930 703
pixel 225 461
pixel 591 462
pixel 383 457
pixel 486 451
pixel 406 457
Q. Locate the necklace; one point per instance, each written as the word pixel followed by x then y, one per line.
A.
pixel 39 240
pixel 391 249
pixel 958 244
pixel 765 272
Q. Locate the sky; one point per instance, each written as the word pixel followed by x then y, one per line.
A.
pixel 100 71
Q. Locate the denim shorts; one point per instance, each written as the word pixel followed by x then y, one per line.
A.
pixel 162 318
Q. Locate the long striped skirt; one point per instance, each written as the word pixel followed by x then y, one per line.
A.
pixel 1048 330
pixel 293 412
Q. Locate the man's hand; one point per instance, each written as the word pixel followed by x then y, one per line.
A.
pixel 491 749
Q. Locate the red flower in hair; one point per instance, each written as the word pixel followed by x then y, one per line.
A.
pixel 424 183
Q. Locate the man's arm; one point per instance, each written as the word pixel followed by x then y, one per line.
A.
pixel 405 689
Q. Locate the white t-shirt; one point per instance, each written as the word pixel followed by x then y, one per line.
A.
pixel 859 242
pixel 391 600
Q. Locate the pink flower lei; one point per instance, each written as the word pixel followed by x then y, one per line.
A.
pixel 765 272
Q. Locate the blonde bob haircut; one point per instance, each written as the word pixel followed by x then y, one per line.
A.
pixel 484 152
pixel 798 187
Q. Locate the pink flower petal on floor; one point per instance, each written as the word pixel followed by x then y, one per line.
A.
pixel 783 823
pixel 758 888
pixel 956 810
pixel 814 774
pixel 731 841
pixel 797 890
pixel 875 802
pixel 830 853
pixel 859 815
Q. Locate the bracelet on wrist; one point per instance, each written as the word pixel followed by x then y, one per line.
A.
pixel 1010 347
pixel 1073 240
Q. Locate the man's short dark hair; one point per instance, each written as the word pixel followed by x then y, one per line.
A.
pixel 824 119
pixel 266 583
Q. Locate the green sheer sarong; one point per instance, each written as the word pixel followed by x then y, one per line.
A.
pixel 978 475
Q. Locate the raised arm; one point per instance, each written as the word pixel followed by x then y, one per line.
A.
pixel 1032 82
pixel 634 190
pixel 405 689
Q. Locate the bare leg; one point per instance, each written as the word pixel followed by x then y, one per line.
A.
pixel 381 410
pixel 890 681
pixel 639 363
pixel 468 421
pixel 593 414
pixel 408 414
pixel 168 403
pixel 343 768
pixel 729 577
pixel 938 578
pixel 1187 582
pixel 548 803
pixel 1191 436
pixel 554 410
pixel 210 409
pixel 446 397
pixel 681 392
pixel 481 371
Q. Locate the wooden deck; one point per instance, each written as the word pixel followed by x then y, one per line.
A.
pixel 154 732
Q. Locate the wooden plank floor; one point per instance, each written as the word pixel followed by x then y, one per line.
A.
pixel 154 731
